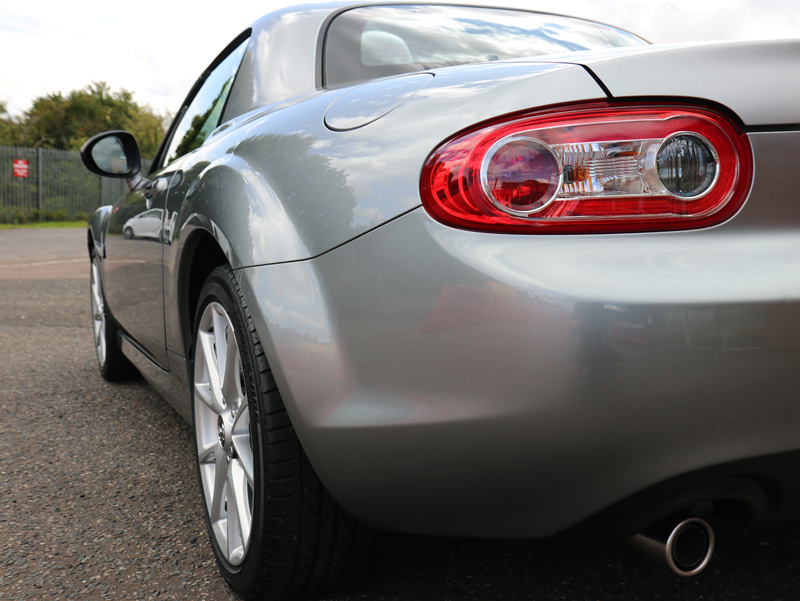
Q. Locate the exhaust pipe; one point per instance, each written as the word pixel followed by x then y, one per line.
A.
pixel 682 543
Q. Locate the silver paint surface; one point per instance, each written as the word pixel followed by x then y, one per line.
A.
pixel 758 81
pixel 434 373
pixel 371 101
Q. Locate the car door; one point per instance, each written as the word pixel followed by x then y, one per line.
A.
pixel 140 225
pixel 133 281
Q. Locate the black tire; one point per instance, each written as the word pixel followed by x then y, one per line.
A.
pixel 114 366
pixel 300 541
pixel 128 233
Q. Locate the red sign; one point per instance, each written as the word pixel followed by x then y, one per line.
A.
pixel 20 167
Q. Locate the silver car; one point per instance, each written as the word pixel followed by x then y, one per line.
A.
pixel 465 271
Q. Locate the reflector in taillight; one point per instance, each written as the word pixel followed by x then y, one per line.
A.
pixel 594 168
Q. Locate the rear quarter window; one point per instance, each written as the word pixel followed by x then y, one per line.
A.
pixel 379 41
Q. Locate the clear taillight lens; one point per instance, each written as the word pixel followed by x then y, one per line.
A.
pixel 594 168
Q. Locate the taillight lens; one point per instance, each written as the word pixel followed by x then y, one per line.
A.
pixel 592 168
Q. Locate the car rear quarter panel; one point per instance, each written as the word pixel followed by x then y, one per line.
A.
pixel 456 382
pixel 276 185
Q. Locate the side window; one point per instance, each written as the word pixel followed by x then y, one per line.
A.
pixel 204 111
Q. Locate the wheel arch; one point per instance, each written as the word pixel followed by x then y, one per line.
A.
pixel 95 232
pixel 202 254
pixel 249 227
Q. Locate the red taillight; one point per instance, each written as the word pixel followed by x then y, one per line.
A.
pixel 594 168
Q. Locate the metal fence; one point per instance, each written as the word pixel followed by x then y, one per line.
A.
pixel 40 184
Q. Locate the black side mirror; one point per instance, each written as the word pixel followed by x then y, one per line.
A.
pixel 112 154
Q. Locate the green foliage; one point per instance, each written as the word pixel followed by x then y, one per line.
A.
pixel 65 122
pixel 20 216
pixel 10 128
pixel 46 225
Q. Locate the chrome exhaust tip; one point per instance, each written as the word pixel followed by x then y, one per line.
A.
pixel 683 544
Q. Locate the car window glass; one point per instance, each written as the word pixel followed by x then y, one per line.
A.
pixel 202 115
pixel 379 41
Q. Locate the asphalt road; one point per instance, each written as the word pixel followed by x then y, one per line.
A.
pixel 98 497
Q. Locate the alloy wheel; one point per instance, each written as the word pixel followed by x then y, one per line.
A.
pixel 222 432
pixel 98 316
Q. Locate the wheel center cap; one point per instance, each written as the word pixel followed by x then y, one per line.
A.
pixel 221 431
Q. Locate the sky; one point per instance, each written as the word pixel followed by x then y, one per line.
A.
pixel 157 48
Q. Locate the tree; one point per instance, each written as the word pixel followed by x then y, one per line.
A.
pixel 65 122
pixel 10 128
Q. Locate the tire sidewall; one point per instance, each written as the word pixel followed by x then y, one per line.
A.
pixel 220 287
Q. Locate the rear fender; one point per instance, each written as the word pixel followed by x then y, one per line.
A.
pixel 228 202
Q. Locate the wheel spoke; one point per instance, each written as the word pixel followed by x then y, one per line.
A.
pixel 239 510
pixel 205 454
pixel 100 343
pixel 209 392
pixel 97 302
pixel 97 294
pixel 230 371
pixel 98 332
pixel 203 392
pixel 242 444
pixel 219 493
pixel 243 405
pixel 220 328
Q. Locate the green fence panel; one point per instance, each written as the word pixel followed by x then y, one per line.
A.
pixel 39 184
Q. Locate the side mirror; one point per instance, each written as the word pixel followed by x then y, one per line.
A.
pixel 112 154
